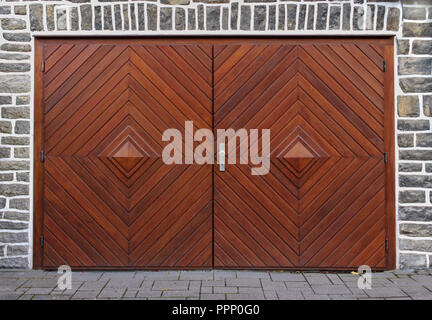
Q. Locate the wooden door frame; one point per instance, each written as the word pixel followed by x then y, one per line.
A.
pixel 389 120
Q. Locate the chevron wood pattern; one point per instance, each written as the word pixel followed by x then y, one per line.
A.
pixel 323 203
pixel 109 200
pixel 105 199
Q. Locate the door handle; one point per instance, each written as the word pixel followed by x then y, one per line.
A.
pixel 221 156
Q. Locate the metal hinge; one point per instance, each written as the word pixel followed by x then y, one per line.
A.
pixel 43 66
pixel 42 156
pixel 386 245
pixel 42 241
pixel 384 66
pixel 385 157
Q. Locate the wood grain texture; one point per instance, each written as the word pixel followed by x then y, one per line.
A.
pixel 105 200
pixel 108 198
pixel 323 204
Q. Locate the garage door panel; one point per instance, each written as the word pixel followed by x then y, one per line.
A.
pixel 246 81
pixel 77 93
pixel 103 128
pixel 362 250
pixel 354 194
pixel 334 66
pixel 267 207
pixel 193 92
pixel 257 90
pixel 179 96
pixel 327 145
pixel 177 200
pixel 342 100
pixel 110 201
pixel 351 232
pixel 264 217
pixel 83 234
pixel 226 75
pixel 64 172
pixel 371 95
pixel 195 226
pixel 272 96
pixel 325 119
pixel 81 120
pixel 235 218
pixel 346 175
pixel 90 226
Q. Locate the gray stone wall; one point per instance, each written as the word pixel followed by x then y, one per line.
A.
pixel 19 20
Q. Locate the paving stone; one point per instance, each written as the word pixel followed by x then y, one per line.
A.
pixel 330 289
pixel 385 292
pixel 39 291
pixel 271 285
pixel 112 293
pixel 317 279
pixel 178 293
pixel 415 290
pixel 130 293
pixel 122 283
pixel 44 297
pixel 9 296
pixel 253 275
pixel 118 274
pixel 225 290
pixel 342 297
pixel 334 278
pixel 147 284
pixel 245 296
pixel 423 279
pixel 297 284
pixel 223 274
pixel 158 275
pixel 168 298
pixel 86 276
pixel 206 290
pixel 316 297
pixel 165 284
pixel 85 294
pixel 147 293
pixel 19 284
pixel 66 292
pixel 41 283
pixel 406 282
pixel 287 276
pixel 290 295
pixel 195 285
pixel 93 285
pixel 213 283
pixel 214 296
pixel 270 295
pixel 196 275
pixel 243 283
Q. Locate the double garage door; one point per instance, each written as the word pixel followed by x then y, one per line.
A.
pixel 105 199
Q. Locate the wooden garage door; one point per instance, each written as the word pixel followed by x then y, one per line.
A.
pixel 323 203
pixel 104 198
pixel 108 198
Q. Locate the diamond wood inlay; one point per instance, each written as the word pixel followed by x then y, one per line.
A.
pixel 299 156
pixel 128 155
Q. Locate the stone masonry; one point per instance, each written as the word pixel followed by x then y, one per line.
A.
pixel 412 26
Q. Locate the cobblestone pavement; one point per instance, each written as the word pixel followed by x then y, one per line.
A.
pixel 217 284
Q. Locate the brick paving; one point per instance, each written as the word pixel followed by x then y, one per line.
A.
pixel 215 284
